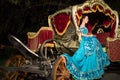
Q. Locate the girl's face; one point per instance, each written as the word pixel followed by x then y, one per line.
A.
pixel 86 19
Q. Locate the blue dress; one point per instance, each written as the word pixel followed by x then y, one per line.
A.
pixel 89 60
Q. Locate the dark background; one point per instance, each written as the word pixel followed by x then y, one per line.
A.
pixel 18 17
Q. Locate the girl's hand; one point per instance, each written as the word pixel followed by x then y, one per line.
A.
pixel 90 34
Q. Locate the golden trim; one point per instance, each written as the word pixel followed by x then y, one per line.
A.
pixel 107 25
pixel 79 17
pixel 32 35
pixel 107 14
pixel 94 26
pixel 50 17
pixel 63 30
pixel 35 50
pixel 97 8
pixel 46 45
pixel 49 45
pixel 88 11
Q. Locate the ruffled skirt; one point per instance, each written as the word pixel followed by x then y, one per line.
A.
pixel 88 61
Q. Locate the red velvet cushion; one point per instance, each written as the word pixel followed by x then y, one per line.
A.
pixel 45 35
pixel 33 43
pixel 61 22
pixel 114 50
pixel 102 37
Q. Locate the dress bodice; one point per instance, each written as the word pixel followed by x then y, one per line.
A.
pixel 89 51
pixel 84 30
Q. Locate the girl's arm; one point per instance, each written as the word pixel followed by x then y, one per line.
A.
pixel 88 35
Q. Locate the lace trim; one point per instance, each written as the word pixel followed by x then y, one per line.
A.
pixel 94 74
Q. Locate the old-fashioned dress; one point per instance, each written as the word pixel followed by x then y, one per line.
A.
pixel 88 62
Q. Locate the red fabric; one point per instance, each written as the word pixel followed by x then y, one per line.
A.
pixel 107 11
pixel 113 15
pixel 114 50
pixel 106 23
pixel 86 8
pixel 45 35
pixel 113 24
pixel 89 26
pixel 33 43
pixel 112 32
pixel 78 17
pixel 60 21
pixel 95 7
pixel 79 12
pixel 102 37
pixel 100 7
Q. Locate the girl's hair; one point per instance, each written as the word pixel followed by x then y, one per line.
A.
pixel 83 16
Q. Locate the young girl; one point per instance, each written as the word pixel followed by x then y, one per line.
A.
pixel 89 60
